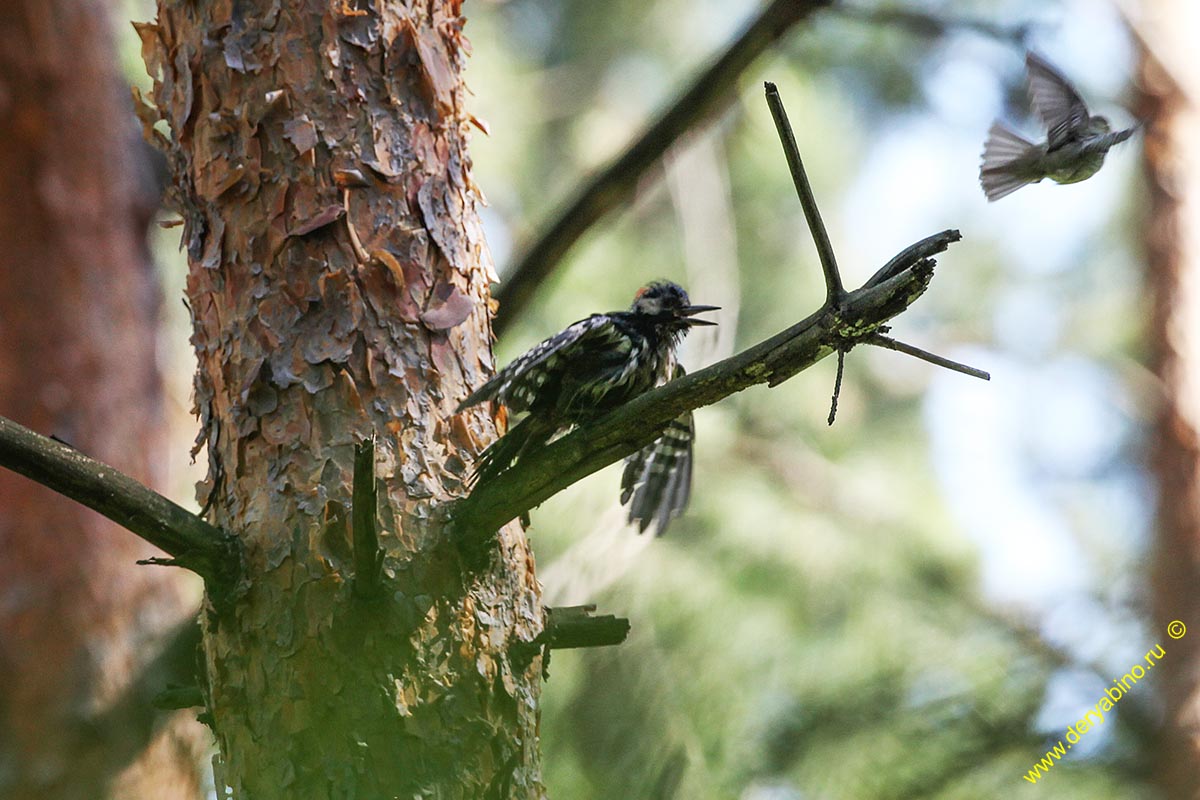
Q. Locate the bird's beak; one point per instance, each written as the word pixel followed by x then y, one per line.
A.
pixel 692 310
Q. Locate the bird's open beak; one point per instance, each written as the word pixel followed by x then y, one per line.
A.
pixel 691 310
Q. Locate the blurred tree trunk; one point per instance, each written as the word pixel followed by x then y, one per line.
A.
pixel 1170 80
pixel 339 289
pixel 78 319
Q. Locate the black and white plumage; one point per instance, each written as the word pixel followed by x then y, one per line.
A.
pixel 1076 142
pixel 657 480
pixel 590 368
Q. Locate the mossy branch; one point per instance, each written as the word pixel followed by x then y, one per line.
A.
pixel 843 320
pixel 544 473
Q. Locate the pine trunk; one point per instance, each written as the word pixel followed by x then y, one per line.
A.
pixel 339 289
pixel 78 322
pixel 1170 83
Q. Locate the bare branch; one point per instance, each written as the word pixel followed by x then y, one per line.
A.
pixel 613 185
pixel 837 386
pixel 914 253
pixel 192 542
pixel 880 340
pixel 934 25
pixel 570 627
pixel 574 626
pixel 834 291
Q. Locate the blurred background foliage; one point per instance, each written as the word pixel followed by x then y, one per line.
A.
pixel 916 601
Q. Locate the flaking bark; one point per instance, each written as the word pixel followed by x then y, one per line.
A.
pixel 338 284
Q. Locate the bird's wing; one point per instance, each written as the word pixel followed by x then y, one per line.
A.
pixel 518 384
pixel 1056 102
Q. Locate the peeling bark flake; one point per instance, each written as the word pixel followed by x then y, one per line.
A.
pixel 436 67
pixel 449 308
pixel 301 132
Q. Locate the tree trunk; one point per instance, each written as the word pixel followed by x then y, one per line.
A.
pixel 1171 85
pixel 339 289
pixel 78 318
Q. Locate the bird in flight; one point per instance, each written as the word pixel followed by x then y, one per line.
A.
pixel 1075 145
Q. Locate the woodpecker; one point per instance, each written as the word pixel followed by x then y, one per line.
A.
pixel 591 368
pixel 1074 149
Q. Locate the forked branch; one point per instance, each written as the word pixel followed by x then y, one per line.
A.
pixel 545 472
pixel 844 320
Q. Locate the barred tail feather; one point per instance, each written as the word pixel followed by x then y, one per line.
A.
pixel 1006 156
pixel 1004 146
pixel 657 481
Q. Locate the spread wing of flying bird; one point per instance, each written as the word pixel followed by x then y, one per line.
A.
pixel 1055 100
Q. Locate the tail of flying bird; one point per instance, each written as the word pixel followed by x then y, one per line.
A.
pixel 1008 163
